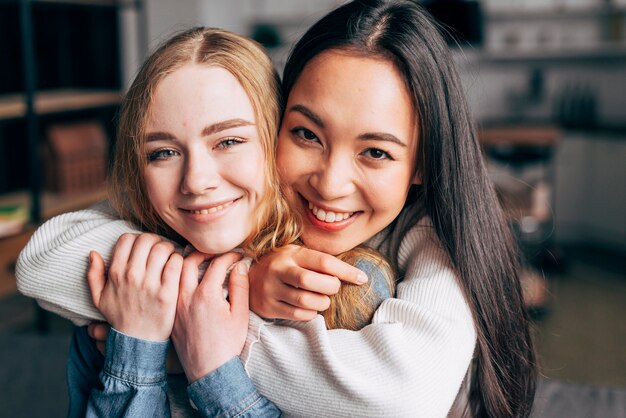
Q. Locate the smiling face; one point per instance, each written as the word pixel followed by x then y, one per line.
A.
pixel 346 149
pixel 205 170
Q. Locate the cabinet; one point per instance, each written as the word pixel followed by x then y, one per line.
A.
pixel 60 61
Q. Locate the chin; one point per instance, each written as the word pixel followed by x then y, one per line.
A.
pixel 331 248
pixel 214 247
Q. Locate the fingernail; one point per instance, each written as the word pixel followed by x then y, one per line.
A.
pixel 242 267
pixel 362 278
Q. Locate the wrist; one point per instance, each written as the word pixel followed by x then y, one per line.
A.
pixel 142 331
pixel 197 370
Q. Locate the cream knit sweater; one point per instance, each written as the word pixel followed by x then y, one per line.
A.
pixel 410 362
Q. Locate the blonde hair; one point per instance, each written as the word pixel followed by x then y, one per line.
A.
pixel 276 225
pixel 354 306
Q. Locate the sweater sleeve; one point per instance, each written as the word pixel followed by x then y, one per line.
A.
pixel 410 362
pixel 52 268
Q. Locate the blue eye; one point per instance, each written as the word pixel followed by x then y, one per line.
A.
pixel 377 154
pixel 304 134
pixel 229 143
pixel 161 154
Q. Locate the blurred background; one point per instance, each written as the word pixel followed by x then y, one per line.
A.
pixel 546 80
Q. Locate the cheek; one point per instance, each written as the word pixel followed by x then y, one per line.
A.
pixel 393 184
pixel 250 171
pixel 160 188
pixel 286 160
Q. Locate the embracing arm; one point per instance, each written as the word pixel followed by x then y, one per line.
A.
pixel 410 362
pixel 52 268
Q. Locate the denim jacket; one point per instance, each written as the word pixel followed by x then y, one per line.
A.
pixel 131 381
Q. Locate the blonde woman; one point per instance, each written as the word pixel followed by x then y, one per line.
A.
pixel 198 126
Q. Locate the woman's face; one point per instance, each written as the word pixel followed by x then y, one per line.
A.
pixel 205 172
pixel 346 149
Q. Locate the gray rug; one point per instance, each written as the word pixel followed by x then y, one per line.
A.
pixel 32 375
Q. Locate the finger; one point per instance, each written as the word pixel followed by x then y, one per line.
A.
pixel 138 259
pixel 95 277
pixel 304 299
pixel 98 330
pixel 215 274
pixel 293 313
pixel 198 257
pixel 329 265
pixel 312 281
pixel 172 273
pixel 121 254
pixel 157 260
pixel 189 274
pixel 239 291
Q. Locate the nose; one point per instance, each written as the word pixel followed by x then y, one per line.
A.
pixel 335 178
pixel 201 173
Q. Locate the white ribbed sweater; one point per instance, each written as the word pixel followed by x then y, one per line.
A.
pixel 410 362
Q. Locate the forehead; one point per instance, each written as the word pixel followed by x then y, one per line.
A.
pixel 198 94
pixel 349 90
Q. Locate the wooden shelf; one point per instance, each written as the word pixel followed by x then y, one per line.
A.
pixel 57 101
pixel 53 204
pixel 520 135
pixel 10 247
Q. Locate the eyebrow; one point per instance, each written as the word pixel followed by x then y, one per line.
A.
pixel 224 125
pixel 208 130
pixel 314 117
pixel 382 136
pixel 368 136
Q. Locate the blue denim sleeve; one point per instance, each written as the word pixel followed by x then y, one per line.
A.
pixel 133 379
pixel 229 392
pixel 377 280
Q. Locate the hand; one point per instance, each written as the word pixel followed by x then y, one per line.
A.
pixel 99 331
pixel 295 282
pixel 139 296
pixel 209 330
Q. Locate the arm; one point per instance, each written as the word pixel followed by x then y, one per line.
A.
pixel 53 265
pixel 410 362
pixel 209 332
pixel 139 299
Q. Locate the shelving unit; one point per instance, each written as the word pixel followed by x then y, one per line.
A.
pixel 556 32
pixel 73 95
pixel 87 67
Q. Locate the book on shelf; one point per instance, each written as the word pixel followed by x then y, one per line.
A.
pixel 13 217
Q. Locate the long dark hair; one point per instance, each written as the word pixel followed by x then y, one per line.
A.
pixel 458 195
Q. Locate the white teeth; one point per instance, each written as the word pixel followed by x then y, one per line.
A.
pixel 211 210
pixel 328 216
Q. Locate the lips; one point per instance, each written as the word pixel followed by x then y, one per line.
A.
pixel 327 215
pixel 211 209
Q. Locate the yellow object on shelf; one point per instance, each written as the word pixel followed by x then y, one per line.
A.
pixel 12 219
